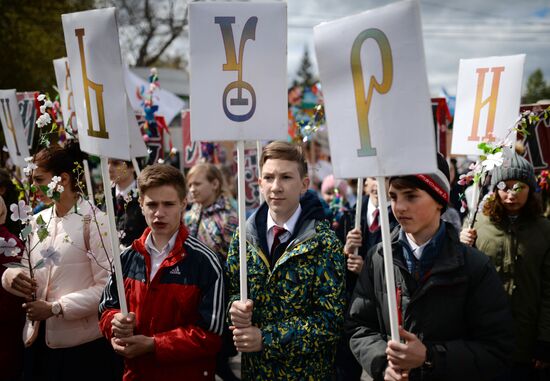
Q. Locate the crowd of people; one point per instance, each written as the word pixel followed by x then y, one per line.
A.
pixel 473 301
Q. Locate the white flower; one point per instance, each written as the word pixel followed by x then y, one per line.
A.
pixel 29 159
pixel 43 120
pixel 54 182
pixel 160 161
pixel 501 185
pixel 128 197
pixel 50 255
pixel 154 70
pixel 29 168
pixel 20 211
pixel 173 151
pixel 48 104
pixel 54 186
pixel 41 97
pixel 493 160
pixel 9 248
pixel 42 109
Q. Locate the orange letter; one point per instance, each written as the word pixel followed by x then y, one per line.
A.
pixel 491 100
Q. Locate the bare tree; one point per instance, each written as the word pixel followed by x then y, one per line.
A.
pixel 148 28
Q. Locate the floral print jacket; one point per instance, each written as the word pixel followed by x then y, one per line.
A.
pixel 213 225
pixel 299 303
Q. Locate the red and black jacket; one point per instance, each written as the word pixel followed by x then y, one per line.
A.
pixel 182 308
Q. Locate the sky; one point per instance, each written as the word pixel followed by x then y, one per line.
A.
pixel 452 30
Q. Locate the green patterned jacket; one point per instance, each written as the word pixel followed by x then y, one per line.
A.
pixel 299 305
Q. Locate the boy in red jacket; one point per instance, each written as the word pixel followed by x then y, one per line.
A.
pixel 174 290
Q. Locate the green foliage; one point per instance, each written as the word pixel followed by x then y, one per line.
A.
pixel 31 36
pixel 536 88
pixel 42 233
pixel 26 231
pixel 40 221
pixel 14 265
pixel 488 149
pixel 304 74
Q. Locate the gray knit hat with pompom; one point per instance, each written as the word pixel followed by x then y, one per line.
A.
pixel 519 169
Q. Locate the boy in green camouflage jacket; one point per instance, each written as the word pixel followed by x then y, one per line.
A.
pixel 289 327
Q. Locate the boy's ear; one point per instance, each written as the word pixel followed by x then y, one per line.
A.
pixel 305 184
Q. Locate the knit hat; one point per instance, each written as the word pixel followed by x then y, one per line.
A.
pixel 437 185
pixel 330 182
pixel 519 169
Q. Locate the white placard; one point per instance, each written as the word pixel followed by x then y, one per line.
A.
pixel 487 101
pixel 238 71
pixel 12 125
pixel 64 85
pixel 375 88
pixel 101 104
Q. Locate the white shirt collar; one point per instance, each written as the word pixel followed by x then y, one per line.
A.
pixel 370 210
pixel 157 257
pixel 417 250
pixel 125 191
pixel 289 225
pixel 165 250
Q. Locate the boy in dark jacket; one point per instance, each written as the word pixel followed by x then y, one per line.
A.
pixel 129 220
pixel 289 327
pixel 174 290
pixel 453 312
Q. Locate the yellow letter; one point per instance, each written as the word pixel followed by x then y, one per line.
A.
pixel 362 105
pixel 491 100
pixel 98 89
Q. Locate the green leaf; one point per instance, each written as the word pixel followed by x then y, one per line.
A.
pixel 14 265
pixel 39 264
pixel 477 177
pixel 42 234
pixel 44 188
pixel 26 231
pixel 40 221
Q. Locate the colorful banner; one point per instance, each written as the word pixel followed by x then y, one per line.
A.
pixel 537 143
pixel 191 149
pixel 252 192
pixel 169 105
pixel 442 120
pixel 238 61
pixel 154 138
pixel 487 99
pixel 370 65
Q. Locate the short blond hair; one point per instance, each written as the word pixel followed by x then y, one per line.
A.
pixel 285 151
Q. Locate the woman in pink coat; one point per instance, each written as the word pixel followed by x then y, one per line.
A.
pixel 61 332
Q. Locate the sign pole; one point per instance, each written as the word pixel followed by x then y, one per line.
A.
pixel 258 155
pixel 88 179
pixel 359 206
pixel 242 219
pixel 388 257
pixel 113 235
pixel 136 166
